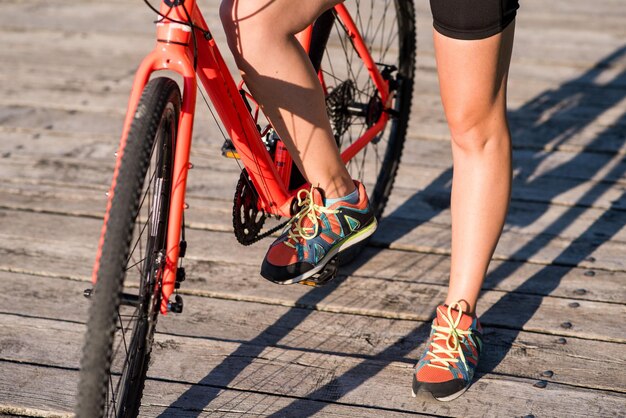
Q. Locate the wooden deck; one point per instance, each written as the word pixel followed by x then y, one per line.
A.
pixel 553 304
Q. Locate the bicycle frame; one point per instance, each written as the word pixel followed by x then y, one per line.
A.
pixel 174 51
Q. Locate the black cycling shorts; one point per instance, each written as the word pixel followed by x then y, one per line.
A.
pixel 472 19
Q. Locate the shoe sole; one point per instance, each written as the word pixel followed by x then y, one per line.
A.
pixel 453 396
pixel 360 236
pixel 448 398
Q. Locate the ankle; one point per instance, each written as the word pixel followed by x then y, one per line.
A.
pixel 337 191
pixel 336 186
pixel 468 308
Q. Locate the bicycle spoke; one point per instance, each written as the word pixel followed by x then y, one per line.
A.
pixel 140 201
pixel 355 104
pixel 136 264
pixel 135 220
pixel 143 228
pixel 112 393
pixel 345 48
pixel 123 336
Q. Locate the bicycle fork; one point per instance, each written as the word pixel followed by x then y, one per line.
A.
pixel 179 49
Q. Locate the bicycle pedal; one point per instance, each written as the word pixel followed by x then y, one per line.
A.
pixel 228 150
pixel 328 273
pixel 177 305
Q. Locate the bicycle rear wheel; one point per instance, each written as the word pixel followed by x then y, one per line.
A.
pixel 352 100
pixel 126 298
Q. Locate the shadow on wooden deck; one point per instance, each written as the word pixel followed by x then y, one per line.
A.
pixel 560 103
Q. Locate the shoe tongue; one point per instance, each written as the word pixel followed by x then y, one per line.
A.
pixel 318 199
pixel 317 196
pixel 464 323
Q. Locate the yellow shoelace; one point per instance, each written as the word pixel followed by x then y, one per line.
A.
pixel 310 211
pixel 453 337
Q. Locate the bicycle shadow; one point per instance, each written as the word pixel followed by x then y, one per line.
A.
pixel 528 123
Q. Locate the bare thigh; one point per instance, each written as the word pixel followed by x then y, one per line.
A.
pixel 279 16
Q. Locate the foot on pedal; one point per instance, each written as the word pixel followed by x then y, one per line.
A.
pixel 328 273
pixel 320 231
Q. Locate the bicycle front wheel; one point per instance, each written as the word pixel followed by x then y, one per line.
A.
pixel 126 298
pixel 353 101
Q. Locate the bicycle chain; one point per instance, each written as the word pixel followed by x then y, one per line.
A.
pixel 270 232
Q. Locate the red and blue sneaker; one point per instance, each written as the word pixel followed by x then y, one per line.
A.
pixel 447 366
pixel 316 234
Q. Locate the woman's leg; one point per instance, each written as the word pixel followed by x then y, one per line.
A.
pixel 473 79
pixel 277 70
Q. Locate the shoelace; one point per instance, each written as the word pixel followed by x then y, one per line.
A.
pixel 453 337
pixel 310 211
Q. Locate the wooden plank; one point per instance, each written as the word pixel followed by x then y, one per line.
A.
pixel 160 398
pixel 212 171
pixel 426 195
pixel 338 379
pixel 233 403
pixel 597 104
pixel 422 235
pixel 528 118
pixel 42 391
pixel 419 154
pixel 572 14
pixel 558 178
pixel 564 96
pixel 585 283
pixel 26 123
pixel 358 382
pixel 431 237
pixel 583 47
pixel 395 299
pixel 552 127
pixel 212 215
pixel 532 92
pixel 525 218
pixel 507 352
pixel 509 276
pixel 550 135
pixel 559 281
pixel 108 91
pixel 540 249
pixel 416 301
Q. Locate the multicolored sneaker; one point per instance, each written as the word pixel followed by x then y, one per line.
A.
pixel 447 366
pixel 316 234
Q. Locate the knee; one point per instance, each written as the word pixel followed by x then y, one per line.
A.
pixel 473 128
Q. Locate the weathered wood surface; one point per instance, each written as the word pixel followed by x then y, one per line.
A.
pixel 321 327
pixel 554 298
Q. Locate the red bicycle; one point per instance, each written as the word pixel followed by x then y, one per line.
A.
pixel 364 53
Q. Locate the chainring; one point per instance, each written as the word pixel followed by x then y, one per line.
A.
pixel 248 219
